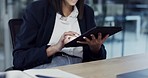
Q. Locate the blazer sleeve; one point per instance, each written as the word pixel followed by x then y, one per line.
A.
pixel 88 55
pixel 26 54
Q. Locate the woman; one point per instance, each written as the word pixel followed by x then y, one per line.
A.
pixel 48 25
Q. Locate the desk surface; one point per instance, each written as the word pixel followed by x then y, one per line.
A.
pixel 108 68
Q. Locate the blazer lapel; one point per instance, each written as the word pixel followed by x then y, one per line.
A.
pixel 48 24
pixel 82 25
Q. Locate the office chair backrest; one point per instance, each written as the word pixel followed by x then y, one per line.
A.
pixel 14 25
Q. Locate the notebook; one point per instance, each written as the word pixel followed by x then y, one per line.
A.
pixel 95 31
pixel 135 74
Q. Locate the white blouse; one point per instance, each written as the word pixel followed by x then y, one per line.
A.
pixel 65 24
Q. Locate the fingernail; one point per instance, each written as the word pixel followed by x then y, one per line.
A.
pixel 84 37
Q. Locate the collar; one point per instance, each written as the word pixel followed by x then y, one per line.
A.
pixel 73 14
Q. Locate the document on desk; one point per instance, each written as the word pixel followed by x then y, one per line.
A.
pixel 16 74
pixel 40 73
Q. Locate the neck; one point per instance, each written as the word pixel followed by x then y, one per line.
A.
pixel 67 9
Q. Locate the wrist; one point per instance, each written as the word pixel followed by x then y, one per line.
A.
pixel 95 49
pixel 55 48
pixel 51 50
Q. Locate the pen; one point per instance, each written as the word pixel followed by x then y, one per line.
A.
pixel 42 76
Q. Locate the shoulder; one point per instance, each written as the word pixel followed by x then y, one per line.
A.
pixel 37 10
pixel 37 5
pixel 88 9
pixel 89 16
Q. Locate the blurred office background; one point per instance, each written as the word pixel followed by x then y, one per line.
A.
pixel 131 15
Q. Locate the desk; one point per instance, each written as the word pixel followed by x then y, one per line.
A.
pixel 108 68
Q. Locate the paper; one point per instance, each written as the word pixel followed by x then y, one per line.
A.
pixel 40 73
pixel 17 74
pixel 50 73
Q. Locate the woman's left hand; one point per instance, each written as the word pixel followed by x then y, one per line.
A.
pixel 94 43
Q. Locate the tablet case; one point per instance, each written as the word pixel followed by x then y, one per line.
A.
pixel 95 31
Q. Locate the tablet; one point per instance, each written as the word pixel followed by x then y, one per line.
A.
pixel 95 31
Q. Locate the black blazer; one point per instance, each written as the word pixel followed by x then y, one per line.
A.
pixel 36 31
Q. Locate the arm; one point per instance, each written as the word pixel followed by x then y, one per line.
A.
pixel 90 55
pixel 26 53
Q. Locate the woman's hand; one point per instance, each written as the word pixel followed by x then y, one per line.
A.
pixel 62 41
pixel 94 43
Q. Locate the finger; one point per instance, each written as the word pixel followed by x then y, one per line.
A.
pixel 103 40
pixel 74 33
pixel 82 42
pixel 99 36
pixel 68 33
pixel 93 37
pixel 85 38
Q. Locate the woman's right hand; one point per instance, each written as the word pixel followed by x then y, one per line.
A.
pixel 58 46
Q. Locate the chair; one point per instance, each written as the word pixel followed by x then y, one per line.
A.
pixel 14 26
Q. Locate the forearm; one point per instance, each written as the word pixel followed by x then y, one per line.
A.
pixel 29 58
pixel 88 55
pixel 101 54
pixel 51 50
